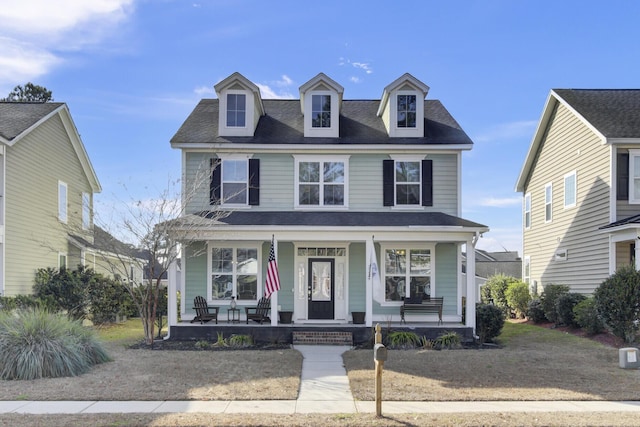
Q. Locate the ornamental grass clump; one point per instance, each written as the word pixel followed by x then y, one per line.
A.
pixel 39 344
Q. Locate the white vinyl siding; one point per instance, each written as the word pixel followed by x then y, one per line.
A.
pixel 32 204
pixel 86 211
pixel 570 146
pixel 62 201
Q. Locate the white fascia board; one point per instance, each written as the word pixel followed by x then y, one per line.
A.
pixel 308 148
pixel 623 141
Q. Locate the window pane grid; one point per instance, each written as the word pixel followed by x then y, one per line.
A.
pixel 236 110
pixel 326 189
pixel 406 111
pixel 403 280
pixel 321 111
pixel 234 273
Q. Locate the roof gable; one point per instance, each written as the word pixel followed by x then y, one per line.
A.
pixel 19 119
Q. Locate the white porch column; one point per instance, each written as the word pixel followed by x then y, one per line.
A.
pixel 612 255
pixel 172 298
pixel 472 292
pixel 637 254
pixel 368 289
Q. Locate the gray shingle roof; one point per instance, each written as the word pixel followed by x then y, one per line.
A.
pixel 16 117
pixel 345 219
pixel 635 219
pixel 614 112
pixel 283 123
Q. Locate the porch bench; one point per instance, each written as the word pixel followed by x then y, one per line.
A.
pixel 432 305
pixel 259 313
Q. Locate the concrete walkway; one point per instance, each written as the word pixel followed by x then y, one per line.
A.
pixel 324 388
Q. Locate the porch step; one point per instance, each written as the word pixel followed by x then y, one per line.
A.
pixel 322 338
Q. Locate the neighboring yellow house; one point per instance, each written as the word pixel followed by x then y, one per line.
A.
pixel 47 185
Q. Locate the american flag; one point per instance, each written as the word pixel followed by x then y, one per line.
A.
pixel 273 278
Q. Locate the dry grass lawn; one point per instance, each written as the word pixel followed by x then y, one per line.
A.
pixel 534 364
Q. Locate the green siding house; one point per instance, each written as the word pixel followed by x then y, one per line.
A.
pixel 335 184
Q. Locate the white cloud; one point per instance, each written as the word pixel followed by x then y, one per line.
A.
pixel 355 79
pixel 32 31
pixel 366 67
pixel 500 202
pixel 204 91
pixel 505 131
pixel 267 93
pixel 284 82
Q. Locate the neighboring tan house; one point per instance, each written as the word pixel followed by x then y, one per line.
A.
pixel 581 189
pixel 325 178
pixel 47 185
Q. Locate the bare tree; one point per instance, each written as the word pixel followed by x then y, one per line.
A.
pixel 157 227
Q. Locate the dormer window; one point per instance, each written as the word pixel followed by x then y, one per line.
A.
pixel 320 103
pixel 406 111
pixel 236 110
pixel 321 111
pixel 402 107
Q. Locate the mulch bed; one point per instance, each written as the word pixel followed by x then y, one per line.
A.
pixel 605 338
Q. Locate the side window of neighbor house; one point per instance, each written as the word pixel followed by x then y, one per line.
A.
pixel 407 273
pixel 62 201
pixel 86 211
pixel 236 110
pixel 62 261
pixel 570 188
pixel 548 202
pixel 527 210
pixel 634 176
pixel 234 272
pixel 526 273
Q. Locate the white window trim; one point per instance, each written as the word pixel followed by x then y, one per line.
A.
pixel 86 211
pixel 403 245
pixel 234 246
pixel 575 190
pixel 548 202
pixel 233 157
pixel 527 198
pixel 320 159
pixel 527 263
pixel 406 158
pixel 632 155
pixel 401 132
pixel 246 108
pixel 63 205
pixel 332 131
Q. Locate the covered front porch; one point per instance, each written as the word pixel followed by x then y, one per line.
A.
pixel 351 271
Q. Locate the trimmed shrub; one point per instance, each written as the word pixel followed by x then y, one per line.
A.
pixel 618 302
pixel 64 287
pixel 564 308
pixel 535 312
pixel 518 297
pixel 39 344
pixel 106 298
pixel 489 322
pixel 403 339
pixel 549 298
pixel 587 317
pixel 494 291
pixel 448 340
pixel 240 341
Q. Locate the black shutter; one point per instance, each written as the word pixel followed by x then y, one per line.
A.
pixel 254 182
pixel 216 181
pixel 388 182
pixel 427 183
pixel 622 176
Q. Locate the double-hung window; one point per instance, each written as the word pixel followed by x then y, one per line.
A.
pixel 406 112
pixel 634 176
pixel 570 185
pixel 321 111
pixel 548 202
pixel 407 272
pixel 236 110
pixel 62 201
pixel 527 210
pixel 321 182
pixel 234 272
pixel 235 181
pixel 407 182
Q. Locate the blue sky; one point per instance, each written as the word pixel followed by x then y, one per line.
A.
pixel 132 70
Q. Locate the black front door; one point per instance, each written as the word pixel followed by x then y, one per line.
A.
pixel 321 292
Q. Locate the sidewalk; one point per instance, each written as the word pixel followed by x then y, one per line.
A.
pixel 324 388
